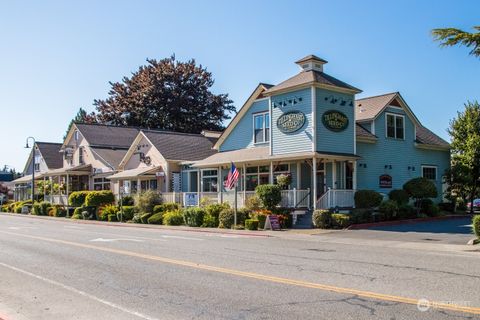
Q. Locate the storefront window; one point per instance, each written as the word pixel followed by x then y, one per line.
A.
pixel 101 184
pixel 209 181
pixel 256 176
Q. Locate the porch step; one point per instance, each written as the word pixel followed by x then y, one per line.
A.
pixel 304 221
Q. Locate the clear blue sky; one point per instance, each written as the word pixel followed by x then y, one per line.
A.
pixel 57 56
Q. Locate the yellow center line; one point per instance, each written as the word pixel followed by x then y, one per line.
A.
pixel 298 283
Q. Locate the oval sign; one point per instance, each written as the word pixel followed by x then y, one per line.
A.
pixel 290 122
pixel 335 120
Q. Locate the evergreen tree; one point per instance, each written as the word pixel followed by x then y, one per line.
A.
pixel 452 37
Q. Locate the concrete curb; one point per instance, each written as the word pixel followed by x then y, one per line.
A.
pixel 144 226
pixel 407 221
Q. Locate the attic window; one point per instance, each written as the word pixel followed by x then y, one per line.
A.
pixel 75 135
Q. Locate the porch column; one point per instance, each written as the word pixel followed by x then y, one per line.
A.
pixel 244 169
pixel 314 176
pixel 334 174
pixel 44 189
pixel 299 175
pixel 270 180
pixel 67 187
pixel 167 177
pixel 220 185
pixel 354 177
pixel 139 186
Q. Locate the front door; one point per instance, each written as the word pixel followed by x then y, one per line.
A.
pixel 320 184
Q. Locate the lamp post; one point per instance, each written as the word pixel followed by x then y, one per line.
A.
pixel 33 165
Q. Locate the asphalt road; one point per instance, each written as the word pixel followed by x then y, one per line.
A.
pixel 57 269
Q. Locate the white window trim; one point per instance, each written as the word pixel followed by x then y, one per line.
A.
pixel 202 176
pixel 430 167
pixel 395 122
pixel 262 113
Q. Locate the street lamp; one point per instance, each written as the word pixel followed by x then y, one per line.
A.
pixel 33 165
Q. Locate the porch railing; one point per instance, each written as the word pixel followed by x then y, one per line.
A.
pixel 290 198
pixel 57 199
pixel 336 198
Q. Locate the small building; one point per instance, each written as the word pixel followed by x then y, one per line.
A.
pixel 45 156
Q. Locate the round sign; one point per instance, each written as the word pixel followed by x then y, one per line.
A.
pixel 335 120
pixel 290 122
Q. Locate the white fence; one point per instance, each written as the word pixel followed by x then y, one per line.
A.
pixel 57 199
pixel 336 198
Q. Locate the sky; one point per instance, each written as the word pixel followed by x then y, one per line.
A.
pixel 58 56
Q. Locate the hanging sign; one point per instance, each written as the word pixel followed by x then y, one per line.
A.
pixel 290 122
pixel 385 181
pixel 335 120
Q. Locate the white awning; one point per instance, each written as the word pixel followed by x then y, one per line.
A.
pixel 134 173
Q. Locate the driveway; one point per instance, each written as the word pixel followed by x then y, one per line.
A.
pixel 448 231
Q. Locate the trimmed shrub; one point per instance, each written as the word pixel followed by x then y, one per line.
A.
pixel 269 194
pixel 77 216
pixel 112 217
pixel 388 210
pixel 213 210
pixel 168 206
pixel 193 216
pixel 173 218
pixel 419 189
pixel 253 203
pixel 367 199
pixel 99 198
pixel 340 220
pixel 87 213
pixel 251 224
pixel 322 219
pixel 36 210
pixel 126 201
pixel 144 217
pixel 104 212
pixel 147 200
pixel 126 213
pixel 406 212
pixel 41 209
pixel 57 211
pixel 359 216
pixel 77 198
pixel 156 218
pixel 476 225
pixel 227 217
pixel 209 221
pixel 399 196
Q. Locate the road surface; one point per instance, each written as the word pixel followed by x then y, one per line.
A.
pixel 58 269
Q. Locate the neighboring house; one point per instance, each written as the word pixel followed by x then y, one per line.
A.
pixel 47 157
pixel 153 161
pixel 311 127
pixel 397 146
pixel 91 152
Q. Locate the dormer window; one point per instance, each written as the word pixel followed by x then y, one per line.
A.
pixel 261 124
pixel 395 126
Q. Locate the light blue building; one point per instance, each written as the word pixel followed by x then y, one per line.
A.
pixel 313 128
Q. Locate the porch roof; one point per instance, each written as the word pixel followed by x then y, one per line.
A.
pixel 263 154
pixel 83 169
pixel 133 173
pixel 24 179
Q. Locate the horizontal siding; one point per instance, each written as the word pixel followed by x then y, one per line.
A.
pixel 400 154
pixel 241 136
pixel 301 140
pixel 327 140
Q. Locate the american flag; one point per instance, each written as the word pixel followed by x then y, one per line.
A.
pixel 232 177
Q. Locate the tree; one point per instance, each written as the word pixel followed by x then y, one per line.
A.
pixel 452 37
pixel 81 117
pixel 419 189
pixel 465 134
pixel 168 95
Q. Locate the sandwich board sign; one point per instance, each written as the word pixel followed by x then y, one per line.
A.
pixel 272 222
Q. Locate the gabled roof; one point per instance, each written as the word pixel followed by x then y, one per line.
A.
pixel 362 132
pixel 102 135
pixel 181 146
pixel 51 154
pixel 256 94
pixel 111 156
pixel 368 108
pixel 427 137
pixel 312 77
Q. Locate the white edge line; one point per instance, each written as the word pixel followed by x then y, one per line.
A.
pixel 82 293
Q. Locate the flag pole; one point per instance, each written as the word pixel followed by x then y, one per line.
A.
pixel 235 208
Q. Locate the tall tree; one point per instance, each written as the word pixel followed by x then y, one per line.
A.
pixel 166 94
pixel 81 117
pixel 465 134
pixel 452 37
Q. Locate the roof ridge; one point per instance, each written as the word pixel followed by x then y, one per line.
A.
pixel 175 132
pixel 110 125
pixel 43 142
pixel 380 95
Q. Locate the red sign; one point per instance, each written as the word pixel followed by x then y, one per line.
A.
pixel 385 181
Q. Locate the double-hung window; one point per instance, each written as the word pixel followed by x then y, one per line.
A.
pixel 257 175
pixel 209 180
pixel 395 126
pixel 261 123
pixel 429 172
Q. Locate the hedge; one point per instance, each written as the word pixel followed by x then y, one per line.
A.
pixel 99 198
pixel 399 196
pixel 388 210
pixel 476 225
pixel 173 218
pixel 322 219
pixel 77 198
pixel 112 217
pixel 91 213
pixel 340 220
pixel 227 217
pixel 193 216
pixel 127 214
pixel 251 224
pixel 269 194
pixel 367 199
pixel 104 212
pixel 156 218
